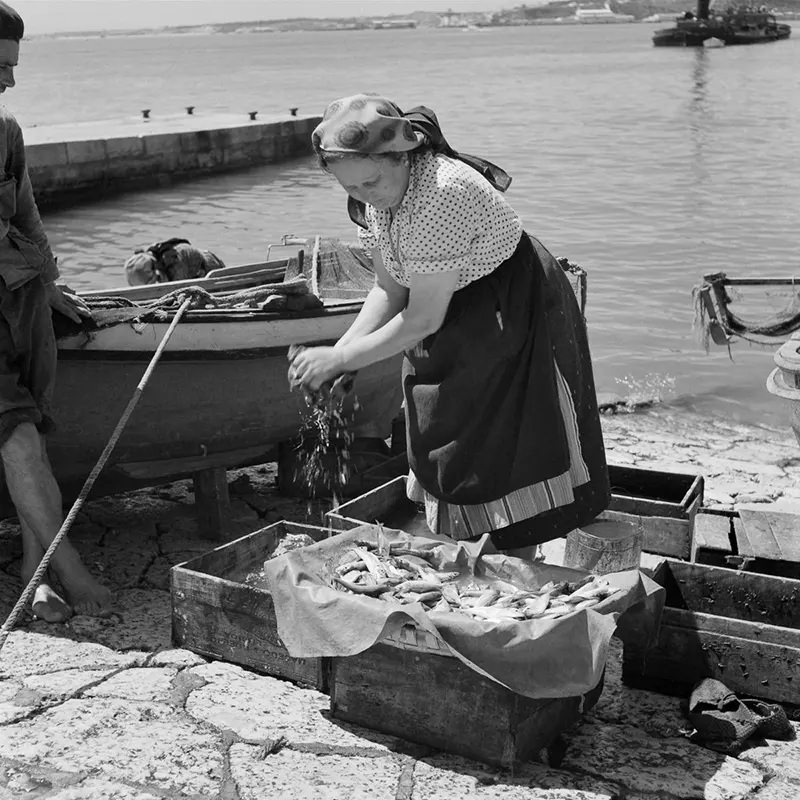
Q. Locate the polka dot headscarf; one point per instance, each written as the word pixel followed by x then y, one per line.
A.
pixel 364 123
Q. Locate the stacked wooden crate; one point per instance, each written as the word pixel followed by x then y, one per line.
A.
pixel 733 613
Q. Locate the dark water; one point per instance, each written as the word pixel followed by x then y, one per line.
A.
pixel 647 166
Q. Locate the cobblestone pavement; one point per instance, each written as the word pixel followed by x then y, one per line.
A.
pixel 103 709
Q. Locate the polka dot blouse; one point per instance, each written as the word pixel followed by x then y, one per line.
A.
pixel 451 218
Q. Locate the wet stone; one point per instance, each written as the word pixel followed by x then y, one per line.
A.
pixel 134 510
pixel 290 775
pixel 116 566
pixel 158 574
pixel 141 619
pixel 141 743
pixel 659 715
pixel 640 762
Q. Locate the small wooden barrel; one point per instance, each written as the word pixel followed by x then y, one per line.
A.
pixel 604 546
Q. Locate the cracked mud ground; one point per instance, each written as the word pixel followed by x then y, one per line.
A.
pixel 103 709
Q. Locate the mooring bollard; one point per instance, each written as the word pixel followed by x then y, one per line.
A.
pixel 190 110
pixel 293 111
pixel 146 113
pixel 252 114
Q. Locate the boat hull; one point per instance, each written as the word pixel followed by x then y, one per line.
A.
pixel 696 33
pixel 218 397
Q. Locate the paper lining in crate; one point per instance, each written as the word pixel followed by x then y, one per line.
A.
pixel 408 636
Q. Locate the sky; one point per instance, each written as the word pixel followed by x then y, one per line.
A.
pixel 52 16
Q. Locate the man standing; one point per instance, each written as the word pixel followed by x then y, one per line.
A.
pixel 28 363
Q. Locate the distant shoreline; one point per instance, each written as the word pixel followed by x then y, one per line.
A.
pixel 555 12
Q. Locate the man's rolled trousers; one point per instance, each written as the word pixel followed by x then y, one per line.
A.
pixel 27 342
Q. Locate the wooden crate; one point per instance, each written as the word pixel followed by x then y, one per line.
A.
pixel 754 539
pixel 438 701
pixel 216 614
pixel 740 627
pixel 663 504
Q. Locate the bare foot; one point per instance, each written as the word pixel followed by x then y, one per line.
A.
pixel 48 605
pixel 84 593
pixel 92 599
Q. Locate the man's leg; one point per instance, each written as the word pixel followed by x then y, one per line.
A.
pixel 37 498
pixel 47 604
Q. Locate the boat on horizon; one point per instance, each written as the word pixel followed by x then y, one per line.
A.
pixel 219 396
pixel 736 25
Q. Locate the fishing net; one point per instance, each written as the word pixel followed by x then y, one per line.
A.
pixel 715 320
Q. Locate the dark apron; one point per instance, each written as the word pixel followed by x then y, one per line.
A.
pixel 482 411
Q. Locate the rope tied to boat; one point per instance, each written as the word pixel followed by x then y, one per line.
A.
pixel 44 564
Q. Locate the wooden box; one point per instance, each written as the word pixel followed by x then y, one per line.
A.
pixel 438 701
pixel 217 614
pixel 740 627
pixel 663 504
pixel 754 539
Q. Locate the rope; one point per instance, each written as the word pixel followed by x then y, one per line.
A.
pixel 89 483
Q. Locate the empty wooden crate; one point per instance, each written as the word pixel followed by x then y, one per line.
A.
pixel 742 628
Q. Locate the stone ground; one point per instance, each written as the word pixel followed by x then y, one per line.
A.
pixel 103 709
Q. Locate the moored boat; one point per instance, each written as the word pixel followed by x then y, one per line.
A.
pixel 219 395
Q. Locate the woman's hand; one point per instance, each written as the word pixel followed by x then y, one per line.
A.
pixel 66 303
pixel 310 367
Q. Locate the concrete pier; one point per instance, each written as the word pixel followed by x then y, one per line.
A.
pixel 87 160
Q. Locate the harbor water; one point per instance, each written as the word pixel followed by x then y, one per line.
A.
pixel 647 166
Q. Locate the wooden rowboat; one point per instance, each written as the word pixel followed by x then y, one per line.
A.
pixel 219 397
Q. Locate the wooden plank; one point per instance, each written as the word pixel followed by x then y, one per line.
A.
pixel 712 538
pixel 651 491
pixel 731 593
pixel 768 534
pixel 212 502
pixel 216 613
pixel 438 701
pixel 750 668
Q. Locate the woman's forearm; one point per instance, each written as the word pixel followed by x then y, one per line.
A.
pixel 399 333
pixel 379 307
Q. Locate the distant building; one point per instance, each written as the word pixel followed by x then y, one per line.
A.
pixel 394 23
pixel 604 14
